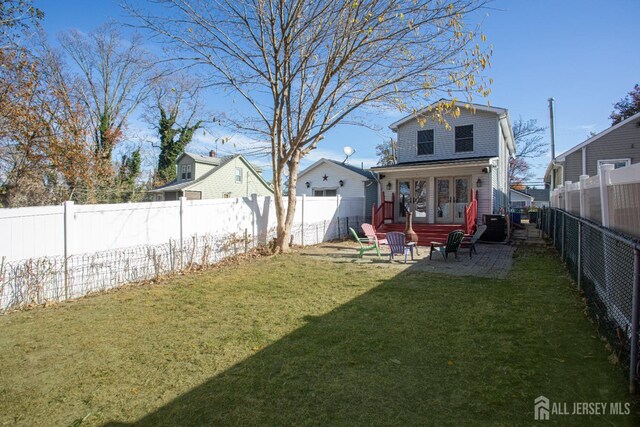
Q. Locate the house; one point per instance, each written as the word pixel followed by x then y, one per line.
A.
pixel 326 178
pixel 540 196
pixel 520 199
pixel 618 145
pixel 202 177
pixel 440 167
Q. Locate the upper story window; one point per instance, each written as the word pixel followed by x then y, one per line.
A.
pixel 464 138
pixel 186 172
pixel 238 175
pixel 425 142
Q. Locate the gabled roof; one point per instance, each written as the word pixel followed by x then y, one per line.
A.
pixel 466 105
pixel 221 161
pixel 362 172
pixel 522 193
pixel 201 159
pixel 503 114
pixel 561 157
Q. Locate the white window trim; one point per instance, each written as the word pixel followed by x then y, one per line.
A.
pixel 238 178
pixel 432 142
pixel 323 189
pixel 612 161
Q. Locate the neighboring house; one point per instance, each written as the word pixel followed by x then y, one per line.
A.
pixel 520 199
pixel 438 167
pixel 540 196
pixel 618 145
pixel 202 177
pixel 326 178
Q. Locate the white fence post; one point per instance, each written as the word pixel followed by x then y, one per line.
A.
pixel 566 195
pixel 581 188
pixel 68 247
pixel 183 207
pixel 304 199
pixel 604 193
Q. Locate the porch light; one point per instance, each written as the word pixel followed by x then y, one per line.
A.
pixel 389 185
pixel 479 183
pixel 308 184
pixel 341 182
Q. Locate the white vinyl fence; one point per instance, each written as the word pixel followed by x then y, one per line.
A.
pixel 55 253
pixel 611 199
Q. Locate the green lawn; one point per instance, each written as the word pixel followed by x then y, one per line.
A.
pixel 294 340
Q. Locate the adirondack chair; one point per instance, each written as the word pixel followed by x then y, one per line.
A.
pixel 361 241
pixel 371 234
pixel 474 239
pixel 397 245
pixel 454 239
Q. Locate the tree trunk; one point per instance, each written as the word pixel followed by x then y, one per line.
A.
pixel 285 217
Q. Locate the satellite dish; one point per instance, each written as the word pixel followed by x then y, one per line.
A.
pixel 348 151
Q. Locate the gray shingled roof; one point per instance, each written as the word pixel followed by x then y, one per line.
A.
pixel 173 186
pixel 539 194
pixel 366 173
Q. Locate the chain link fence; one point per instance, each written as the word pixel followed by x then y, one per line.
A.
pixel 605 266
pixel 54 279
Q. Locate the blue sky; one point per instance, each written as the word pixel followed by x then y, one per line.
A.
pixel 581 52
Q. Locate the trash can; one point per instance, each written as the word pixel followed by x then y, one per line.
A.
pixel 496 228
pixel 516 217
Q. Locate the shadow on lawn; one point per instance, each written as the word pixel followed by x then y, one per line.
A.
pixel 370 360
pixel 417 349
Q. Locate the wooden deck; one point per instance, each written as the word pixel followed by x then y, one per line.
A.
pixel 427 233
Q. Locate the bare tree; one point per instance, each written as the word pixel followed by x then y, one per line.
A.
pixel 116 74
pixel 530 144
pixel 303 67
pixel 386 152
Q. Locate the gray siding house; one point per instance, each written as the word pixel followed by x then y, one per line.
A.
pixel 438 165
pixel 202 177
pixel 618 145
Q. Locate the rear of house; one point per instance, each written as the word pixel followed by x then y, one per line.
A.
pixel 440 166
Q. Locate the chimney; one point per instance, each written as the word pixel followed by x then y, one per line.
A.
pixel 212 153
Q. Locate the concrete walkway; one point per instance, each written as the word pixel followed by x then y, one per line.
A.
pixel 492 260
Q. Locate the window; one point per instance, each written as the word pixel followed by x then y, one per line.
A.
pixel 238 175
pixel 464 138
pixel 425 142
pixel 325 192
pixel 188 171
pixel 226 195
pixel 617 163
pixel 184 171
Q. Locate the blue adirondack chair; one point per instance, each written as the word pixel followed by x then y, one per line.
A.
pixel 396 242
pixel 454 239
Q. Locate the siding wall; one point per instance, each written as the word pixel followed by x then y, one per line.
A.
pixel 353 182
pixel 485 137
pixel 223 181
pixel 621 143
pixel 572 167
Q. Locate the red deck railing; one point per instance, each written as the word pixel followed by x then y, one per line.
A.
pixel 471 214
pixel 383 212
